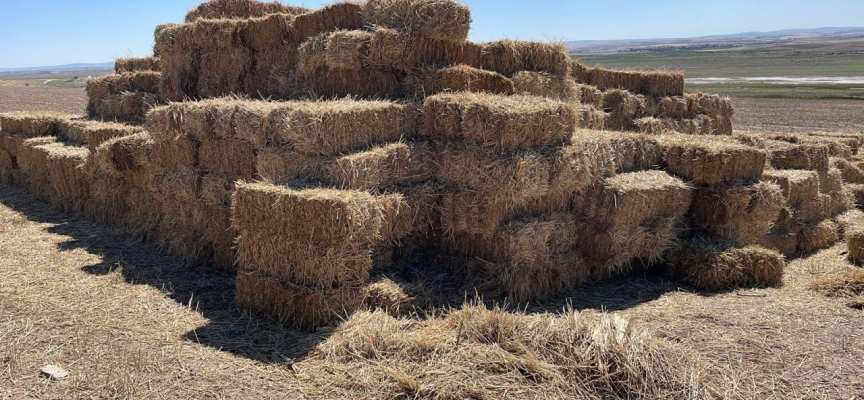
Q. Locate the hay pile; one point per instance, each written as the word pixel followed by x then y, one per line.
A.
pixel 125 96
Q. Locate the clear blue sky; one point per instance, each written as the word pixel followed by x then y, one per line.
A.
pixel 50 32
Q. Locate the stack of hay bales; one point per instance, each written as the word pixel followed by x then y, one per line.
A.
pixel 128 94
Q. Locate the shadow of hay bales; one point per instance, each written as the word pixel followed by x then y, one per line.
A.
pixel 209 291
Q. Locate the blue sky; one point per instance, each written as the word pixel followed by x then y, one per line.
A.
pixel 49 32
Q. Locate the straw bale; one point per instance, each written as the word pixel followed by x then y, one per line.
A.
pixel 164 36
pixel 347 49
pixel 785 155
pixel 401 51
pixel 742 214
pixel 224 57
pixel 237 9
pixel 633 198
pixel 508 57
pixel 658 83
pixel 545 84
pixel 143 81
pixel 175 184
pixel 717 266
pixel 126 106
pixel 458 78
pixel 591 96
pixel 439 19
pixel 215 224
pixel 7 161
pixel 271 40
pixel 506 123
pixel 339 126
pixel 278 165
pixel 818 236
pixel 67 176
pixel 336 16
pixel 786 243
pixel 623 107
pixel 851 172
pixel 472 212
pixel 34 165
pixel 31 123
pixel 136 64
pixel 93 133
pixel 709 104
pixel 416 217
pixel 711 160
pixel 801 190
pixel 604 79
pixel 232 157
pixel 856 191
pixel 180 152
pixel 674 107
pixel 831 183
pixel 381 167
pixel 592 118
pixel 578 72
pixel 123 154
pixel 293 305
pixel 327 83
pixel 608 153
pixel 852 224
pixel 216 189
pixel 312 54
pixel 107 198
pixel 613 250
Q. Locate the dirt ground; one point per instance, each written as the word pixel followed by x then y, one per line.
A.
pixel 128 321
pixel 32 98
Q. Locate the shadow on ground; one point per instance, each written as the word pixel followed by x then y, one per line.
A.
pixel 211 291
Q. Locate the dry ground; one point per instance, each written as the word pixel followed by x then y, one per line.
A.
pixel 32 98
pixel 128 321
pixel 799 116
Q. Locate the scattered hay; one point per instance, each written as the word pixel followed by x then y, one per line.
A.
pixel 240 9
pixel 31 124
pixel 438 19
pixel 548 85
pixel 509 57
pixel 136 64
pixel 717 266
pixel 815 237
pixel 506 123
pixel 742 214
pixel 711 160
pixel 456 79
pixel 849 284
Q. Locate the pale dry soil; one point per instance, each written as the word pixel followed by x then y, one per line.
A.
pixel 799 116
pixel 128 321
pixel 15 97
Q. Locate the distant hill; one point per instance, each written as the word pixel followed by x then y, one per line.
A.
pixel 58 68
pixel 717 41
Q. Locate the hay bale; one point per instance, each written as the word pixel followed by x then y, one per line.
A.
pixel 31 124
pixel 852 226
pixel 123 154
pixel 622 107
pixel 332 17
pixel 278 165
pixel 717 266
pixel 107 198
pixel 709 104
pixel 312 54
pixel 578 72
pixel 815 237
pixel 742 214
pixel 240 9
pixel 180 152
pixel 675 107
pixel 659 83
pixel 329 241
pixel 591 96
pixel 93 133
pixel 831 184
pixel 851 173
pixel 231 157
pixel 456 79
pixel 593 119
pixel 710 161
pixel 856 191
pixel 65 173
pixel 325 83
pixel 651 83
pixel 545 84
pixel 439 19
pixel 784 242
pixel 104 86
pixel 633 198
pixel 508 57
pixel 347 49
pixel 271 39
pixel 616 152
pixel 136 64
pixel 404 52
pixel 126 106
pixel 801 191
pixel 505 123
pixel 785 155
pixel 293 305
pixel 381 167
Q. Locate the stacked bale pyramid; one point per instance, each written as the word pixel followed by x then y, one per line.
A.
pixel 312 149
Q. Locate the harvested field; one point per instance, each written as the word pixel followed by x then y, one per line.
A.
pixel 190 340
pixel 31 98
pixel 782 115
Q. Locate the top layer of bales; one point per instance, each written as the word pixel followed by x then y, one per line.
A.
pixel 229 9
pixel 438 19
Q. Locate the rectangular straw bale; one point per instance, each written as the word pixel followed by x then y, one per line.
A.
pixel 177 183
pixel 347 49
pixel 605 79
pixel 106 85
pixel 784 242
pixel 623 107
pixel 232 157
pixel 675 107
pixel 591 96
pixel 801 191
pixel 785 155
pixel 417 216
pixel 578 72
pixel 240 9
pixel 851 224
pixel 548 85
pixel 851 172
pixel 505 123
pixel 658 83
pixel 123 154
pixel 271 39
pixel 856 191
pixel 125 106
pixel 617 152
pixel 31 123
pixel 382 167
pixel 216 190
pixel 717 266
pixel 7 161
pixel 179 59
pixel 634 198
pixel 339 126
pixel 592 118
pixel 326 83
pixel 34 165
pixel 336 16
pixel 508 57
pixel 818 236
pixel 107 198
pixel 392 49
pixel 439 19
pixel 709 104
pixel 456 79
pixel 294 305
pixel 224 57
pixel 741 214
pixel 312 54
pixel 136 64
pixel 67 176
pixel 472 212
pixel 93 133
pixel 614 250
pixel 831 183
pixel 280 165
pixel 180 152
pixel 711 160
